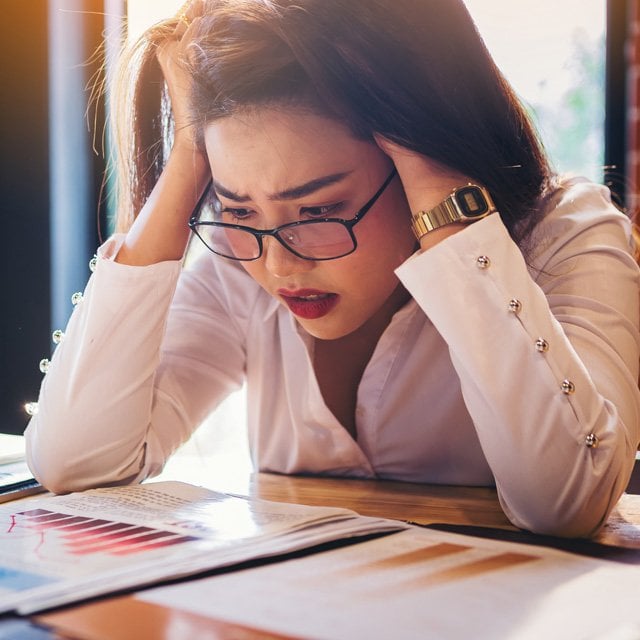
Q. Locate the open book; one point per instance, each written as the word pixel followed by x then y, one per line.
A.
pixel 60 549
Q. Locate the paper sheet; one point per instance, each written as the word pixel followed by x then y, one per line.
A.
pixel 425 584
pixel 61 549
pixel 11 448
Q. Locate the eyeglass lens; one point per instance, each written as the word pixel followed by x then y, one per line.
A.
pixel 316 240
pixel 310 239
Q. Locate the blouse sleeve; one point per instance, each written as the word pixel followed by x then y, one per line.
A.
pixel 547 354
pixel 140 365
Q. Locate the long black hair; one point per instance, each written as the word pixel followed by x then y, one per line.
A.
pixel 414 71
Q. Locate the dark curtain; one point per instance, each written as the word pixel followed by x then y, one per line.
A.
pixel 632 49
pixel 52 161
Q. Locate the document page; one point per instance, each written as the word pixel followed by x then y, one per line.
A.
pixel 422 584
pixel 11 448
pixel 59 549
pixel 16 479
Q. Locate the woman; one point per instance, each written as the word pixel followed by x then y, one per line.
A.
pixel 383 326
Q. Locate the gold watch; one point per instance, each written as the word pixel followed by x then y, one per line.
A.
pixel 464 204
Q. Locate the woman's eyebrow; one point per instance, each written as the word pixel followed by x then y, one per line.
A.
pixel 291 193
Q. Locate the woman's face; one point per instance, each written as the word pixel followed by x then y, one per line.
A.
pixel 275 166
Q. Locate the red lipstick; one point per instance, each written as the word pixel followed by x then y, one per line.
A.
pixel 309 304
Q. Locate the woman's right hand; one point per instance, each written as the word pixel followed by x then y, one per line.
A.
pixel 160 231
pixel 171 56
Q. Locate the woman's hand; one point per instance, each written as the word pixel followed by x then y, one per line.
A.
pixel 160 231
pixel 171 55
pixel 426 183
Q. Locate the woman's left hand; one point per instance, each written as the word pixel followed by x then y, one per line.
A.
pixel 426 183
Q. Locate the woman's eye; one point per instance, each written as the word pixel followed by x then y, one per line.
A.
pixel 324 211
pixel 235 214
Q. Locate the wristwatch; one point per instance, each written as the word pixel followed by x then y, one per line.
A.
pixel 464 204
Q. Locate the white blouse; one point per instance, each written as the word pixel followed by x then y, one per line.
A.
pixel 499 370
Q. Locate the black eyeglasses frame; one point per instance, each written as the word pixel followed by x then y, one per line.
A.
pixel 258 234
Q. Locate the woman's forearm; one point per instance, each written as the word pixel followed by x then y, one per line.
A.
pixel 160 232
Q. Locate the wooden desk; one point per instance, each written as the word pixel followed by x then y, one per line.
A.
pixel 126 618
pixel 419 503
pixel 429 504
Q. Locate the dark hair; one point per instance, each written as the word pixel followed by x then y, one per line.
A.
pixel 414 71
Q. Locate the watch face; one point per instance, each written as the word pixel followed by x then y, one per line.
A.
pixel 471 201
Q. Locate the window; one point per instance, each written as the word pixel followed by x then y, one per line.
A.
pixel 142 14
pixel 553 53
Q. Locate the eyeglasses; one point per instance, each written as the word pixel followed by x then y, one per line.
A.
pixel 323 239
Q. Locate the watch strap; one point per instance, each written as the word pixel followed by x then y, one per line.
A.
pixel 454 208
pixel 425 221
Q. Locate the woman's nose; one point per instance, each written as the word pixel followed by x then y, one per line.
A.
pixel 280 262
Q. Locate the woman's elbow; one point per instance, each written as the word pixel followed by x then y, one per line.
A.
pixel 60 469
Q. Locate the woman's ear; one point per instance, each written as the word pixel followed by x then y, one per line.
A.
pixel 388 147
pixel 405 159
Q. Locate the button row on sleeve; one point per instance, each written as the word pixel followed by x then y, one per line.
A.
pixel 542 346
pixel 31 408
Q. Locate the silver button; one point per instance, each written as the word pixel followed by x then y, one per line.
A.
pixel 76 298
pixel 44 365
pixel 591 441
pixel 515 306
pixel 31 408
pixel 542 345
pixel 93 263
pixel 57 336
pixel 568 387
pixel 483 262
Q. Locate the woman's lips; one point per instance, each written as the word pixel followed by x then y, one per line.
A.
pixel 309 304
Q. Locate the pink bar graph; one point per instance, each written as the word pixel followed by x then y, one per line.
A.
pixel 84 535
